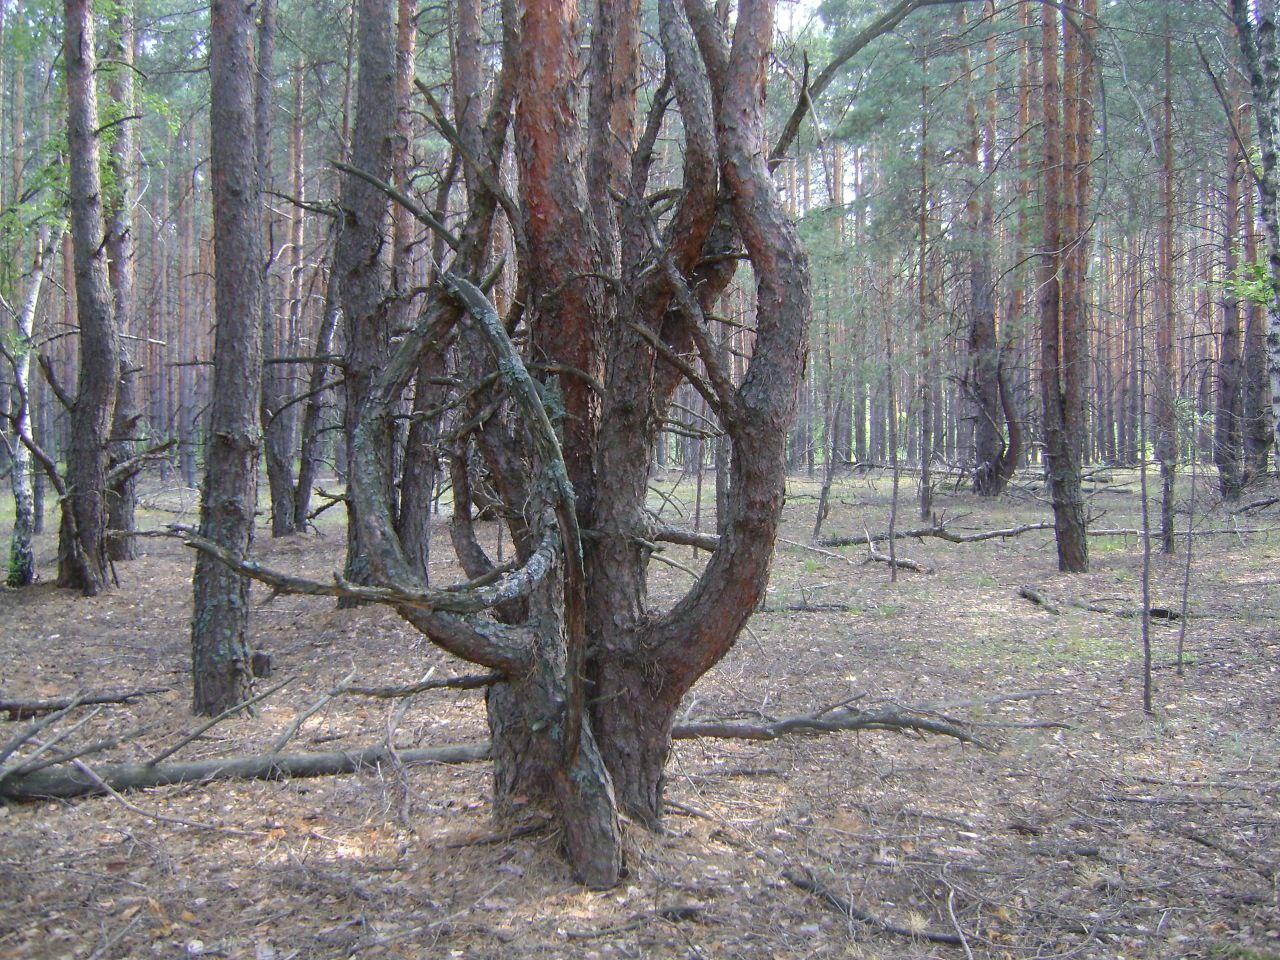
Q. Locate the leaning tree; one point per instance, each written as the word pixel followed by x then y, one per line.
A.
pixel 615 295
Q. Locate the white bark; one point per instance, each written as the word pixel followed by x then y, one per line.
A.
pixel 21 570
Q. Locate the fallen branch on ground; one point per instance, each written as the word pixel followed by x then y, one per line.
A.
pixel 829 721
pixel 806 882
pixel 672 914
pixel 26 709
pixel 471 681
pixel 939 531
pixel 1257 504
pixel 902 563
pixel 64 783
pixel 1040 600
pixel 812 608
pixel 67 783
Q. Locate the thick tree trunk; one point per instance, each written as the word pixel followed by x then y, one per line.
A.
pixel 82 552
pixel 219 624
pixel 526 725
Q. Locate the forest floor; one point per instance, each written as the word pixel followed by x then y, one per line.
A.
pixel 1091 830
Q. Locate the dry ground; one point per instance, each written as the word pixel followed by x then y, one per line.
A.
pixel 1107 835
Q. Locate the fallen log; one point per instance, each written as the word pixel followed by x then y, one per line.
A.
pixel 26 709
pixel 64 783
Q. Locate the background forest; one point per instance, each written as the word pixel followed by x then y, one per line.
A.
pixel 796 479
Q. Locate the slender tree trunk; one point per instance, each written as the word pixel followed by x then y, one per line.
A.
pixel 922 316
pixel 1166 415
pixel 22 570
pixel 315 405
pixel 82 552
pixel 1227 445
pixel 361 256
pixel 277 437
pixel 123 496
pixel 220 622
pixel 1059 342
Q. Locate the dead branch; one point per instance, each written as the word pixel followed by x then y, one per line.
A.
pixel 127 468
pixel 829 721
pixel 1040 600
pixel 811 608
pixel 938 531
pixel 471 681
pixel 672 914
pixel 26 709
pixel 1257 505
pixel 237 708
pixel 24 735
pixel 67 783
pixel 307 712
pixel 899 563
pixel 809 884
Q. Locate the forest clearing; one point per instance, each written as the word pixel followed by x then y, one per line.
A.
pixel 1089 829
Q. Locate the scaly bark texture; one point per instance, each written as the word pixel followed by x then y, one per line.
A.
pixel 122 498
pixel 592 677
pixel 277 425
pixel 1229 415
pixel 82 545
pixel 362 256
pixel 1166 372
pixel 1062 333
pixel 220 620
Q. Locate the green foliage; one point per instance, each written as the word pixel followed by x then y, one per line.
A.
pixel 1252 282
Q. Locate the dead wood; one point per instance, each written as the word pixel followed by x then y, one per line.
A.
pixel 1257 505
pixel 499 836
pixel 1040 600
pixel 811 608
pixel 809 884
pixel 672 914
pixel 471 681
pixel 941 532
pixel 938 531
pixel 26 709
pixel 900 563
pixel 829 721
pixel 67 783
